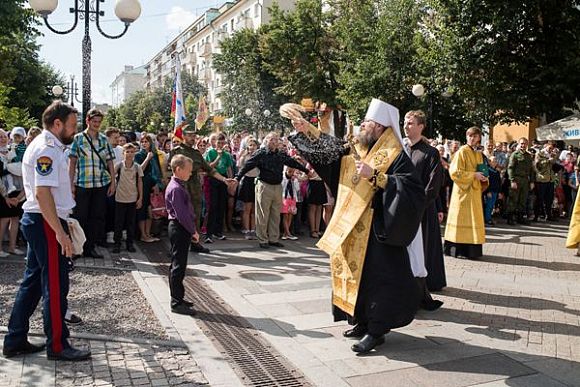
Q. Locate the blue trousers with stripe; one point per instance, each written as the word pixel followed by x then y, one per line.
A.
pixel 46 276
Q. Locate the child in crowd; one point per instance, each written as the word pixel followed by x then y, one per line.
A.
pixel 247 190
pixel 181 229
pixel 128 197
pixel 290 189
pixel 18 135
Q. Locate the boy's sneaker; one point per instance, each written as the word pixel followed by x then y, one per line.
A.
pixel 208 240
pixel 131 248
pixel 116 249
pixel 219 237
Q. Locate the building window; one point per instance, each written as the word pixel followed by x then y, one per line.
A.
pixel 257 10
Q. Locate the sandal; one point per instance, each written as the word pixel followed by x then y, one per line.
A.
pixel 314 234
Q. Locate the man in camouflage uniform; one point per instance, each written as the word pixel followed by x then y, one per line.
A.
pixel 193 185
pixel 522 175
pixel 545 177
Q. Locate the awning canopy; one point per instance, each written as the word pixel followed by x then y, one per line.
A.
pixel 565 129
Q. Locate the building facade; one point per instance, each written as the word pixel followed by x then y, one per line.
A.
pixel 197 44
pixel 128 82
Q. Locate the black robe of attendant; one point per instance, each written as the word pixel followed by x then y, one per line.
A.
pixel 389 295
pixel 428 163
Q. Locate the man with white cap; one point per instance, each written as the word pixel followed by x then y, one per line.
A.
pixel 372 237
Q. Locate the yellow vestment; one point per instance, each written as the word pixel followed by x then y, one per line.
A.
pixel 574 231
pixel 347 234
pixel 465 218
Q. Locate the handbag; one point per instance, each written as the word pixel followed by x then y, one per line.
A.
pixel 158 209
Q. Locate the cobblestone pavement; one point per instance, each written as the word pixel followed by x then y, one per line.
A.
pixel 112 364
pixel 118 328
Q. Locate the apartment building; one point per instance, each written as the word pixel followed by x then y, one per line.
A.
pixel 197 44
pixel 128 82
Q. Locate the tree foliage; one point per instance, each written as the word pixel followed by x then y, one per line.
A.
pixel 21 69
pixel 246 83
pixel 151 110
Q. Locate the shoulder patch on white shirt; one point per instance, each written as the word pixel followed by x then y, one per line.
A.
pixel 44 166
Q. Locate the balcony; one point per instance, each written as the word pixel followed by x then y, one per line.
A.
pixel 207 51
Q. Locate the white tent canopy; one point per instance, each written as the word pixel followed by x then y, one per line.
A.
pixel 566 129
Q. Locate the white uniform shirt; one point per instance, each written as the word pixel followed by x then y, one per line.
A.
pixel 45 165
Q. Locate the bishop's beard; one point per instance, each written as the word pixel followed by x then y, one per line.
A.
pixel 366 138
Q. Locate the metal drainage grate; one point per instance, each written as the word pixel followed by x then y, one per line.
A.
pixel 249 354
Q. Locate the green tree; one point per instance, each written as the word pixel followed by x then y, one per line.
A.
pixel 299 49
pixel 246 84
pixel 508 61
pixel 151 110
pixel 21 68
pixel 13 116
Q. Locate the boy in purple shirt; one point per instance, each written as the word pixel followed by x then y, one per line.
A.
pixel 181 231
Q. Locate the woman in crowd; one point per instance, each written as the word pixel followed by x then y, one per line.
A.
pixel 247 192
pixel 148 158
pixel 316 198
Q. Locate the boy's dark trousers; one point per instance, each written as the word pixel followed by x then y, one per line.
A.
pixel 125 218
pixel 180 240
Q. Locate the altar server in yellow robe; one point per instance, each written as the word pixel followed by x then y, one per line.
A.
pixel 465 230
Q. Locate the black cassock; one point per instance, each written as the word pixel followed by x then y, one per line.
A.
pixel 428 163
pixel 389 295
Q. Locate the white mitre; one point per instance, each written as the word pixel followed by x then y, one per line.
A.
pixel 386 115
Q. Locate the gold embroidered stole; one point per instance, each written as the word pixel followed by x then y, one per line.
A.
pixel 347 234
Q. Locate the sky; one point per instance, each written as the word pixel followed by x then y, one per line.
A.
pixel 159 23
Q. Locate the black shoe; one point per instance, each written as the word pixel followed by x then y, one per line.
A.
pixel 69 354
pixel 116 249
pixel 510 220
pixel 198 248
pixel 523 221
pixel 131 248
pixel 188 303
pixel 73 319
pixel 24 349
pixel 356 331
pixel 431 305
pixel 265 245
pixel 367 343
pixel 92 254
pixel 102 244
pixel 184 309
pixel 276 244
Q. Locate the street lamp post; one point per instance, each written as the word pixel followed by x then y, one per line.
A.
pixel 419 91
pixel 70 91
pixel 89 10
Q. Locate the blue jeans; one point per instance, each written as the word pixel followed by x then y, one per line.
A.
pixel 489 204
pixel 46 276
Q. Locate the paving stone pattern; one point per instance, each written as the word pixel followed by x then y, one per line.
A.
pixel 112 364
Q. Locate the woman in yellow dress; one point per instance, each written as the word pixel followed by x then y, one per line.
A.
pixel 465 230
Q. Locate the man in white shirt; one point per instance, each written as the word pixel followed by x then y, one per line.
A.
pixel 49 202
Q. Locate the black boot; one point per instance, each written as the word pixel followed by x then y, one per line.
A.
pixel 427 302
pixel 368 343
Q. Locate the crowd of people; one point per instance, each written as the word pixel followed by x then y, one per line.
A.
pixel 526 183
pixel 131 186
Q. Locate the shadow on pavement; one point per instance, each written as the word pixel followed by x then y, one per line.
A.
pixel 462 364
pixel 553 266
